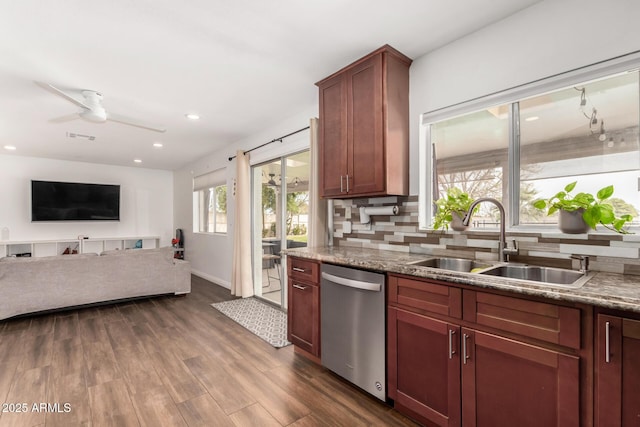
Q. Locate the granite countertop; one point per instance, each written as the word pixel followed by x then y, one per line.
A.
pixel 616 291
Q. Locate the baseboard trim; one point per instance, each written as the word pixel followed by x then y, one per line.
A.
pixel 211 278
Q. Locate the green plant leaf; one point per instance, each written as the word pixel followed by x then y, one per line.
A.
pixel 591 217
pixel 560 195
pixel 605 192
pixel 570 187
pixel 606 214
pixel 539 204
pixel 618 224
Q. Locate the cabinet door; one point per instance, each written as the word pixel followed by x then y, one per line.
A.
pixel 424 367
pixel 509 383
pixel 617 393
pixel 365 124
pixel 333 137
pixel 303 316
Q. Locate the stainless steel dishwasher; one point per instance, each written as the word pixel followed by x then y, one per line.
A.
pixel 352 304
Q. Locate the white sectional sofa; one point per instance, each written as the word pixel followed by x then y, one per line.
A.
pixel 29 285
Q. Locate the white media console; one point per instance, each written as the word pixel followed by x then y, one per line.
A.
pixel 42 248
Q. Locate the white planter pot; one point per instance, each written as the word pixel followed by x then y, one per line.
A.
pixel 456 222
pixel 572 222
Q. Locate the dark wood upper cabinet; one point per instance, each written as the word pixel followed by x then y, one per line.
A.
pixel 364 127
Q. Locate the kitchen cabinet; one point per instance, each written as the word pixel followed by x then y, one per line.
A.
pixel 509 383
pixel 424 351
pixel 303 313
pixel 500 361
pixel 364 127
pixel 617 399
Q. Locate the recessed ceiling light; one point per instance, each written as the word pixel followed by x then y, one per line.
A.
pixel 9 147
pixel 137 160
pixel 157 144
pixel 531 119
pixel 192 116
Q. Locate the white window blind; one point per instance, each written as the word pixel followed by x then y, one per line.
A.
pixel 209 180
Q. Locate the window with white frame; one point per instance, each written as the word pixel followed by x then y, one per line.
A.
pixel 581 126
pixel 210 202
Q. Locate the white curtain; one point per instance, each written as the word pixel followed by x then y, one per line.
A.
pixel 241 275
pixel 318 232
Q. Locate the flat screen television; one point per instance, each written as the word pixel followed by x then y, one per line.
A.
pixel 72 201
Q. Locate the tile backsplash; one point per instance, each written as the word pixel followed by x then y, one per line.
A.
pixel 609 252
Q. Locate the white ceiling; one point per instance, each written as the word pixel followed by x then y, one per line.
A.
pixel 243 65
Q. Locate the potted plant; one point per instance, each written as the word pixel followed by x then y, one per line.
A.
pixel 580 212
pixel 451 209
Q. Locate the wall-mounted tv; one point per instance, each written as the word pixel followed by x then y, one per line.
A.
pixel 72 201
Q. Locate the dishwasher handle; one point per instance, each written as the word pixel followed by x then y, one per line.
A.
pixel 367 286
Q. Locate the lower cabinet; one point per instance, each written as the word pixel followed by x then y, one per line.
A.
pixel 424 367
pixel 510 383
pixel 452 372
pixel 303 312
pixel 617 399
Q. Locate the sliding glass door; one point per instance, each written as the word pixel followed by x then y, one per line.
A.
pixel 280 219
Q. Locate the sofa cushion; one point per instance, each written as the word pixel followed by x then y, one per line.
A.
pixel 134 251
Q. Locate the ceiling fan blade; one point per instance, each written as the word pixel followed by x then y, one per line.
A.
pixel 63 94
pixel 65 118
pixel 133 122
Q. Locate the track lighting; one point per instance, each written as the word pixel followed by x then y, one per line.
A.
pixel 603 136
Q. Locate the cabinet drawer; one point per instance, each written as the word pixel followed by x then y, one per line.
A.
pixel 426 295
pixel 538 320
pixel 304 269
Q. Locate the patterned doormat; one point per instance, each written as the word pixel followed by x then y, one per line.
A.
pixel 265 321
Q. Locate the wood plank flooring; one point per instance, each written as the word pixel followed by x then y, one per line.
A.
pixel 166 361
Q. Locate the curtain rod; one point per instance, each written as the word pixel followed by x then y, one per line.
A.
pixel 272 141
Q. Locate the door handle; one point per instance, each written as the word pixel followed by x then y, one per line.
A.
pixel 607 342
pixel 451 350
pixel 465 355
pixel 347 183
pixel 299 270
pixel 358 284
pixel 302 288
pixel 341 185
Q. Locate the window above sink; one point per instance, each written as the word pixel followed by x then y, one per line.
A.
pixel 529 142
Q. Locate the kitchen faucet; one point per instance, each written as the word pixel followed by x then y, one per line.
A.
pixel 503 249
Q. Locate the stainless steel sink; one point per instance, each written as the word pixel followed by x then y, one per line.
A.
pixel 454 264
pixel 542 275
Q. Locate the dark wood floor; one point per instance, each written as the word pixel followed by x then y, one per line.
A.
pixel 166 361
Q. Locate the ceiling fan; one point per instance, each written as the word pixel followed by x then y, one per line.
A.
pixel 90 102
pixel 272 181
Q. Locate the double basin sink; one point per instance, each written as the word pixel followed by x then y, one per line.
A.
pixel 549 276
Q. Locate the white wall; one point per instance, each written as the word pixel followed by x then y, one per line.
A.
pixel 211 254
pixel 550 37
pixel 146 199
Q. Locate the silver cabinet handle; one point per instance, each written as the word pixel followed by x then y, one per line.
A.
pixel 302 288
pixel 347 183
pixel 299 270
pixel 341 187
pixel 451 350
pixel 607 342
pixel 465 356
